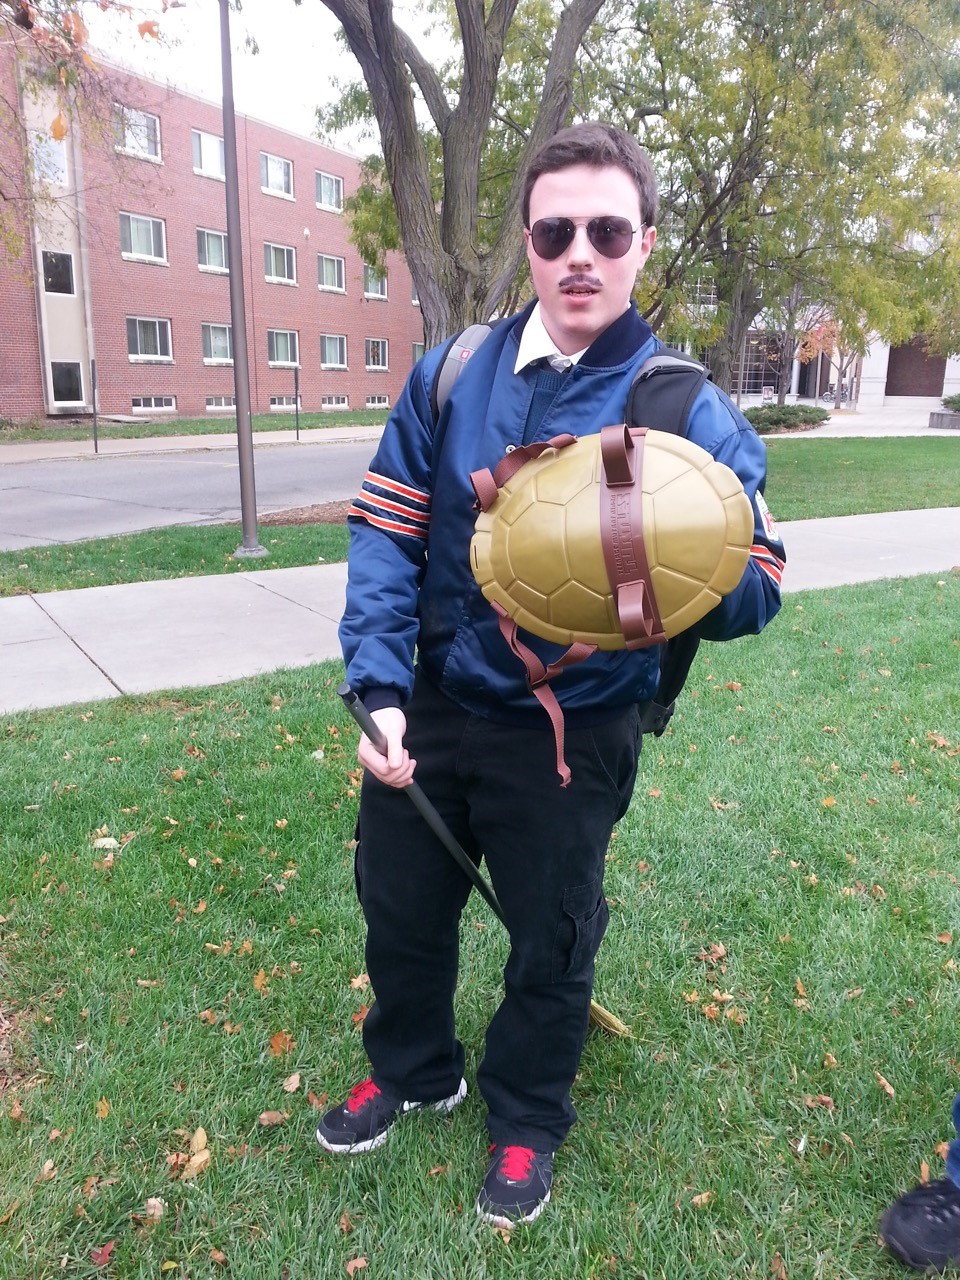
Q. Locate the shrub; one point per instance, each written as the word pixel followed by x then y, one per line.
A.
pixel 785 417
pixel 952 402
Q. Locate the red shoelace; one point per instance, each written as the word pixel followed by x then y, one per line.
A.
pixel 515 1163
pixel 361 1094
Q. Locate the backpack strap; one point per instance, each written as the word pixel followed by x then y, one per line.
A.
pixel 664 390
pixel 459 350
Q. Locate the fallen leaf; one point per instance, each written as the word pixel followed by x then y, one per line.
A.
pixel 209 1017
pixel 48 1172
pixel 702 1200
pixel 8 1214
pixel 149 29
pixel 355 1265
pixel 828 802
pixel 359 1016
pixel 267 1118
pixel 196 1164
pixel 821 1100
pixel 292 1083
pixel 830 1061
pixel 198 1141
pixel 945 938
pixel 885 1085
pixel 778 1270
pixel 733 685
pixel 100 1257
pixel 178 775
pixel 360 982
pixel 924 1172
pixel 17 1112
pixel 317 1101
pixel 103 1109
pixel 149 982
pixel 438 1169
pixel 280 1043
pixel 260 981
pixel 154 1209
pixel 219 1257
pixel 345 1222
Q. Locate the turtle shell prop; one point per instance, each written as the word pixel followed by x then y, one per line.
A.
pixel 616 540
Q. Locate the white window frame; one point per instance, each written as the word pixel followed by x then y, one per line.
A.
pixel 377 401
pixel 153 408
pixel 49 158
pixel 130 120
pixel 340 338
pixel 274 363
pixel 213 141
pixel 133 255
pixel 270 252
pixel 418 351
pixel 340 269
pixel 369 352
pixel 285 404
pixel 138 358
pixel 212 268
pixel 206 340
pixel 330 404
pixel 374 275
pixel 221 408
pixel 319 177
pixel 266 186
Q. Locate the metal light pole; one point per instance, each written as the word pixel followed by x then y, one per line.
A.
pixel 250 547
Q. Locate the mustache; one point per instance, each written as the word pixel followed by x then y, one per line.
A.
pixel 580 281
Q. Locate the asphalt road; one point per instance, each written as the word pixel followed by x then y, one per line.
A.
pixel 68 500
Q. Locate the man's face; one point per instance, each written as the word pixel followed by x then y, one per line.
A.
pixel 582 292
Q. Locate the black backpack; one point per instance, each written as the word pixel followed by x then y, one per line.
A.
pixel 660 397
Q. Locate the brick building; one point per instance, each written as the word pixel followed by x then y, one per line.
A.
pixel 125 265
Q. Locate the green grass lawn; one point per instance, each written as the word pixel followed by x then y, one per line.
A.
pixel 33 432
pixel 785 898
pixel 807 478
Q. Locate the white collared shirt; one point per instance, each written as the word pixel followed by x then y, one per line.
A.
pixel 536 344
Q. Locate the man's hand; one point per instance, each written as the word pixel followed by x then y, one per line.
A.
pixel 395 768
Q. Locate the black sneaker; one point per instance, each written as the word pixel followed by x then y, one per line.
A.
pixel 923 1227
pixel 364 1120
pixel 516 1187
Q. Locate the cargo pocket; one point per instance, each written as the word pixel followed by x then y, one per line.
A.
pixel 580 930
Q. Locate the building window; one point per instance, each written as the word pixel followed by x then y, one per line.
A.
pixel 67 382
pixel 212 251
pixel 282 346
pixel 57 272
pixel 217 343
pixel 156 404
pixel 209 157
pixel 376 349
pixel 283 404
pixel 215 403
pixel 49 160
pixel 378 402
pixel 276 175
pixel 333 351
pixel 143 238
pixel 280 263
pixel 330 273
pixel 418 350
pixel 329 192
pixel 148 339
pixel 334 402
pixel 374 282
pixel 137 133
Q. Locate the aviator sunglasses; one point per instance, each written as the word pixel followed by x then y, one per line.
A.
pixel 609 235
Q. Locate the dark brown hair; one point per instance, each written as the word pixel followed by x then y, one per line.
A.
pixel 598 145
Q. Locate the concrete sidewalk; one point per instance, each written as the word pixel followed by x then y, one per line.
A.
pixel 81 646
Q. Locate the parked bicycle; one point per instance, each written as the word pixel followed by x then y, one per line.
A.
pixel 830 395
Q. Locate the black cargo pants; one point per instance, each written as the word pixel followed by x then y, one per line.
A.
pixel 544 847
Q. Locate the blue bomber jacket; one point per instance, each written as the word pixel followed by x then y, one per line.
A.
pixel 411 594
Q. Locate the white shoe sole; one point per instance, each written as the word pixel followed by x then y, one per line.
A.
pixel 371 1144
pixel 501 1220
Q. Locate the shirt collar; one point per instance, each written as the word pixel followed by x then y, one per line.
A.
pixel 536 344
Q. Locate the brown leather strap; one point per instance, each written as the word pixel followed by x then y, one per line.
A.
pixel 621 535
pixel 538 677
pixel 486 485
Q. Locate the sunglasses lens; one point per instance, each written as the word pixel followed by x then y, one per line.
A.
pixel 609 235
pixel 550 236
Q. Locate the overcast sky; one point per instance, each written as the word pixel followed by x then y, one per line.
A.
pixel 282 84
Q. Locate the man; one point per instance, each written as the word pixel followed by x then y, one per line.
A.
pixel 923 1227
pixel 463 714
